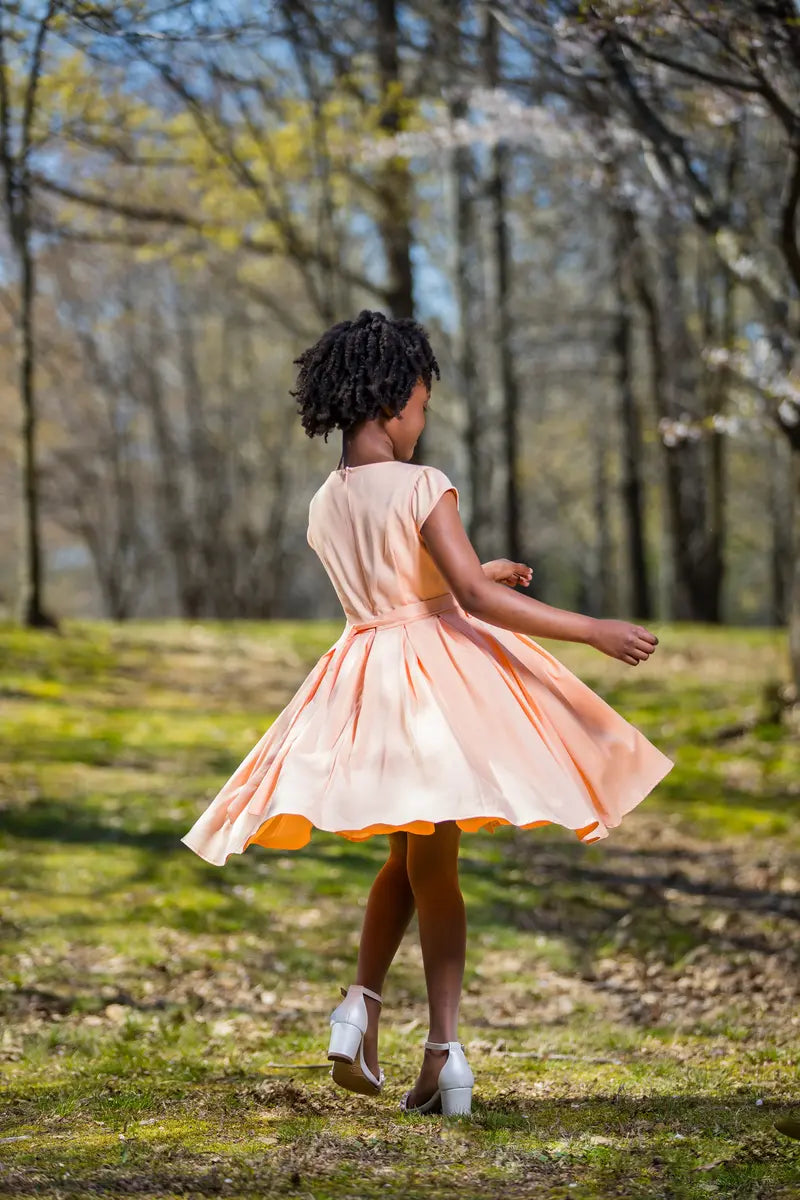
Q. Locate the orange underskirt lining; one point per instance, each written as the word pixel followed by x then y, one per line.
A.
pixel 290 831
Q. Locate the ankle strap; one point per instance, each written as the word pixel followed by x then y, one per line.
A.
pixel 442 1045
pixel 359 987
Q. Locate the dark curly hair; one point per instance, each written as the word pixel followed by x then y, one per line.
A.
pixel 359 368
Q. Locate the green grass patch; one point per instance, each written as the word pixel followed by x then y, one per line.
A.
pixel 631 1009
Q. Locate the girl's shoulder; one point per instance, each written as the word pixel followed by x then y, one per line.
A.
pixel 424 478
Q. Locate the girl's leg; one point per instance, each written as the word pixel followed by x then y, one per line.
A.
pixel 390 907
pixel 433 875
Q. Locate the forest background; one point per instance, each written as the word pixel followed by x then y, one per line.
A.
pixel 592 208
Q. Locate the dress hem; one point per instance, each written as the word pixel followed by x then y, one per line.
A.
pixel 468 824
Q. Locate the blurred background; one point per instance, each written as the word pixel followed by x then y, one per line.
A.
pixel 591 208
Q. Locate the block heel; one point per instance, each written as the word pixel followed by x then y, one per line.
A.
pixel 346 1047
pixel 453 1095
pixel 345 1041
pixel 456 1102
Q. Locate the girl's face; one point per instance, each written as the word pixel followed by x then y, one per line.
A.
pixel 405 428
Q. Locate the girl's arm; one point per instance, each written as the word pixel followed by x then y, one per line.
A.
pixel 497 604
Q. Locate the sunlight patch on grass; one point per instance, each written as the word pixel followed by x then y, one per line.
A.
pixel 626 1005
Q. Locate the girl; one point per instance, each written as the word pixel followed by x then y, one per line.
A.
pixel 435 711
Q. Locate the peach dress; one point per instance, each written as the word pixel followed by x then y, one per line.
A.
pixel 421 712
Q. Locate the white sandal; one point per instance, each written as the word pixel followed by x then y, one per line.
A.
pixel 453 1093
pixel 346 1049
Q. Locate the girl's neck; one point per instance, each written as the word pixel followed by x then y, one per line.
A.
pixel 372 462
pixel 355 456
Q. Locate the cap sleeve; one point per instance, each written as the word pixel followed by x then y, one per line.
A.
pixel 308 524
pixel 430 486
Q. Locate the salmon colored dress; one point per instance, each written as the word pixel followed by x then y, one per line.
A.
pixel 421 712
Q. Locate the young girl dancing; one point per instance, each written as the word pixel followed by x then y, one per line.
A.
pixel 434 713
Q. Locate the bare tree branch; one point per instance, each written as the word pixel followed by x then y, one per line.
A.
pixel 789 219
pixel 723 81
pixel 177 219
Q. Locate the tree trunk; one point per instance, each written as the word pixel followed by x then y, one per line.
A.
pixel 395 185
pixel 171 503
pixel 479 526
pixel 32 611
pixel 466 274
pixel 16 195
pixel 794 614
pixel 501 258
pixel 204 463
pixel 602 598
pixel 695 593
pixel 659 388
pixel 674 372
pixel 780 503
pixel 631 425
pixel 715 394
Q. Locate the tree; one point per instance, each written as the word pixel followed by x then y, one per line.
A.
pixel 22 50
pixel 751 53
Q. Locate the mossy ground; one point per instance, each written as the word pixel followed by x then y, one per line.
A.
pixel 631 1008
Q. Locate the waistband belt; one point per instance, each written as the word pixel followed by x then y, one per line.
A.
pixel 405 612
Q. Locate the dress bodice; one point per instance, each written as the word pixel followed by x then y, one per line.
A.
pixel 364 525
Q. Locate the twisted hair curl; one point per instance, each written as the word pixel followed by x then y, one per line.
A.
pixel 359 369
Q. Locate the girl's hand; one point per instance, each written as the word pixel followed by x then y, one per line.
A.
pixel 503 570
pixel 619 639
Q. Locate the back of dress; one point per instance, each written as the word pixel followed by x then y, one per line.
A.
pixel 363 524
pixel 422 712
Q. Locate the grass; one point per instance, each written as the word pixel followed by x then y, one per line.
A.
pixel 631 1009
